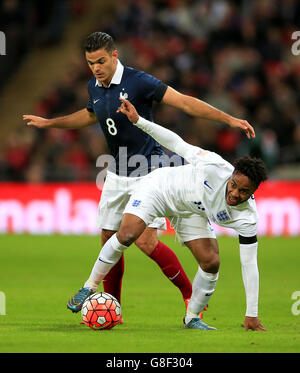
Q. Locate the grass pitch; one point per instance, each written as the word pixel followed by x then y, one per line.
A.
pixel 39 273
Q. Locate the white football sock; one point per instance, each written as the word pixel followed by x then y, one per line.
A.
pixel 203 287
pixel 109 255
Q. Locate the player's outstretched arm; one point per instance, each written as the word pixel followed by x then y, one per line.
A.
pixel 165 137
pixel 79 119
pixel 196 107
pixel 248 256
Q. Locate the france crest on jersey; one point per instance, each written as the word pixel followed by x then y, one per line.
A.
pixel 126 141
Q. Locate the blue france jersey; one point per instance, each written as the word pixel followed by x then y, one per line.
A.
pixel 123 138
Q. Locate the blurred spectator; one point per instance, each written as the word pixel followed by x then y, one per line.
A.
pixel 235 55
pixel 33 23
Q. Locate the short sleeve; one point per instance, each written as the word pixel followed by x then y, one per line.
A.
pixel 246 229
pixel 160 92
pixel 89 105
pixel 150 87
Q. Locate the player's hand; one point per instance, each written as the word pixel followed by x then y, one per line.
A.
pixel 129 110
pixel 35 121
pixel 253 323
pixel 244 125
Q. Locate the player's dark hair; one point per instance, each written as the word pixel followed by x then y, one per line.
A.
pixel 253 168
pixel 98 40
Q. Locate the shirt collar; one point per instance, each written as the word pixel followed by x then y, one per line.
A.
pixel 116 79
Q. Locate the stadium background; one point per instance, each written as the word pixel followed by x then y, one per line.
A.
pixel 235 55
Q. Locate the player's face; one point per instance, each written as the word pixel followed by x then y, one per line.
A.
pixel 239 189
pixel 103 64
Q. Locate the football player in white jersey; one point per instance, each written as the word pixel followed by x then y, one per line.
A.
pixel 208 188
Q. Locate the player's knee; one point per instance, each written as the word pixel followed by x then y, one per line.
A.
pixel 212 264
pixel 146 245
pixel 126 236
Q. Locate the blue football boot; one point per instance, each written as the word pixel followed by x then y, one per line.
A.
pixel 197 323
pixel 75 303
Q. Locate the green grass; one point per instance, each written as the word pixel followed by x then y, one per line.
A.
pixel 39 273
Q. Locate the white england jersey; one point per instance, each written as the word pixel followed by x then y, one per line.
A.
pixel 200 186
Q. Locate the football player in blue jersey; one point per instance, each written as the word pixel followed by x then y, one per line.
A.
pixel 112 81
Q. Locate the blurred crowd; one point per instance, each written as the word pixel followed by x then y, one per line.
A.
pixel 234 55
pixel 33 23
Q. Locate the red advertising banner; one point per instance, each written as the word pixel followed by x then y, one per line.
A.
pixel 72 209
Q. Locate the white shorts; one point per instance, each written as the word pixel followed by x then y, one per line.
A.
pixel 115 195
pixel 146 203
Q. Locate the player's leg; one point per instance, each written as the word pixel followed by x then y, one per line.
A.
pixel 114 197
pixel 206 252
pixel 131 228
pixel 196 232
pixel 112 282
pixel 110 209
pixel 166 259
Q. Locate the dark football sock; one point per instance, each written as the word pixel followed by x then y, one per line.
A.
pixel 172 269
pixel 112 282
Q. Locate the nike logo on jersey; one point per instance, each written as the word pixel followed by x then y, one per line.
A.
pixel 95 101
pixel 206 184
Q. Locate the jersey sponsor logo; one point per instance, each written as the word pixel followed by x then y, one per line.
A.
pixel 206 184
pixel 136 203
pixel 223 216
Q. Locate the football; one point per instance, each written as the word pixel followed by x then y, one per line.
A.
pixel 101 311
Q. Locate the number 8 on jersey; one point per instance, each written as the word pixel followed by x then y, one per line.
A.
pixel 111 126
